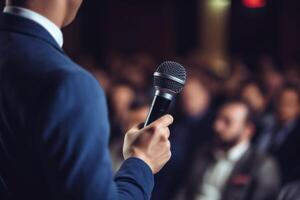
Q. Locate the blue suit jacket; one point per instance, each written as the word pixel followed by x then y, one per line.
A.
pixel 54 125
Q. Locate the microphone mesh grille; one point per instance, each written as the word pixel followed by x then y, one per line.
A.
pixel 172 69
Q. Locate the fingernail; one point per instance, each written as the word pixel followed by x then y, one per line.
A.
pixel 170 117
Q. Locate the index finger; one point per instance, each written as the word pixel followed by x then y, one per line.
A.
pixel 164 121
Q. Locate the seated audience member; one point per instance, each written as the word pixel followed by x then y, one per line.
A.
pixel 232 168
pixel 271 77
pixel 281 136
pixel 290 192
pixel 191 129
pixel 238 74
pixel 292 73
pixel 255 95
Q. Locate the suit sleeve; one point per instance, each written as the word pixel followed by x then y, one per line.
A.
pixel 267 181
pixel 290 192
pixel 72 142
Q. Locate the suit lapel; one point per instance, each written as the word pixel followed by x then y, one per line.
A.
pixel 240 178
pixel 202 162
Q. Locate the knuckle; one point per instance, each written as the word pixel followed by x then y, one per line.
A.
pixel 168 144
pixel 169 155
pixel 129 134
pixel 156 127
pixel 159 130
pixel 164 138
pixel 167 132
pixel 151 129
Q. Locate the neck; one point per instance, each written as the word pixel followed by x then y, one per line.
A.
pixel 48 9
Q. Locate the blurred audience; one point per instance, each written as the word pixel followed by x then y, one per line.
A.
pixel 254 94
pixel 290 192
pixel 230 168
pixel 292 73
pixel 229 158
pixel 272 79
pixel 281 135
pixel 239 73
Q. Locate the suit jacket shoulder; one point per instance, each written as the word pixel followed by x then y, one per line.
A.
pixel 290 192
pixel 54 125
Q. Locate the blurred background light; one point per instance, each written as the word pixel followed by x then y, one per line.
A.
pixel 254 3
pixel 219 3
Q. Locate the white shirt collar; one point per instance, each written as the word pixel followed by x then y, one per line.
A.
pixel 235 153
pixel 238 151
pixel 54 30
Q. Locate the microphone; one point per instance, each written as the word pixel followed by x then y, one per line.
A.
pixel 169 80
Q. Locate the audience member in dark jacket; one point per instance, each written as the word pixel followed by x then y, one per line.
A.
pixel 281 136
pixel 290 192
pixel 231 168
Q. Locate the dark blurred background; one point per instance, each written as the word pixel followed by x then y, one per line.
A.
pixel 239 49
pixel 169 28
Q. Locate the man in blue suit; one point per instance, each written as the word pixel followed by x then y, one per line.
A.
pixel 53 117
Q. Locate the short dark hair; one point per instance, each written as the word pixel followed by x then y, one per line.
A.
pixel 260 86
pixel 250 117
pixel 292 87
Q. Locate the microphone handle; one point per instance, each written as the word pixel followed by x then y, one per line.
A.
pixel 159 107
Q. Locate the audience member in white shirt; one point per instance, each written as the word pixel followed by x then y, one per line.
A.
pixel 230 168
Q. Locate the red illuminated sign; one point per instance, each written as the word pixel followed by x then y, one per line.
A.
pixel 254 3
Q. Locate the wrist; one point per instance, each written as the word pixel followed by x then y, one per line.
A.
pixel 144 159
